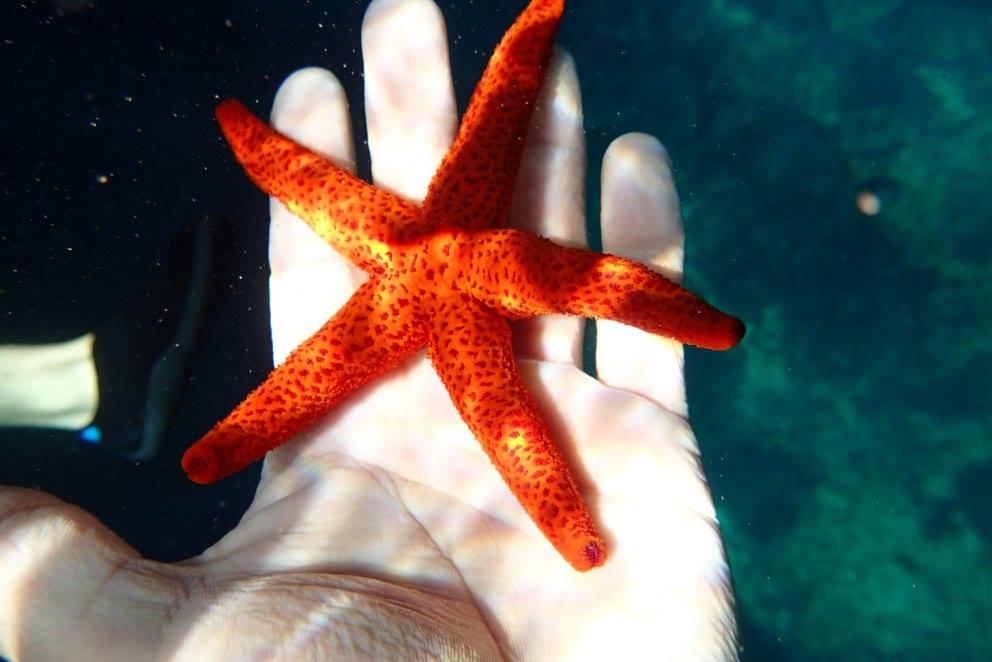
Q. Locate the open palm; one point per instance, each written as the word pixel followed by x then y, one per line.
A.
pixel 384 531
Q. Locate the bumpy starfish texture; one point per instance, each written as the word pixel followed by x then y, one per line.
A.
pixel 447 275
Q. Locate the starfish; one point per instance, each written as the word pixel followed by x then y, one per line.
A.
pixel 448 274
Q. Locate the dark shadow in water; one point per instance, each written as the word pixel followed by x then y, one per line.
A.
pixel 766 488
pixel 760 645
pixel 973 497
pixel 969 505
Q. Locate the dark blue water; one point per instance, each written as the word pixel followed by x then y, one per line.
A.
pixel 847 441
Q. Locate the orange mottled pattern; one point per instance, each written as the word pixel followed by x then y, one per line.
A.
pixel 471 349
pixel 448 275
pixel 522 275
pixel 473 185
pixel 350 214
pixel 372 333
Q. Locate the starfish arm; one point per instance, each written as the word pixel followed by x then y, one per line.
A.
pixel 371 334
pixel 470 347
pixel 353 216
pixel 473 186
pixel 522 275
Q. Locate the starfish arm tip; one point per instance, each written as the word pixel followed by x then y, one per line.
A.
pixel 733 334
pixel 712 329
pixel 593 555
pixel 205 463
pixel 227 109
pixel 199 465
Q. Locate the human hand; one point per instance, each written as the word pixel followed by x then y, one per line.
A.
pixel 384 531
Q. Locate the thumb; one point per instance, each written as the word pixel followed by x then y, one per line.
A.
pixel 74 590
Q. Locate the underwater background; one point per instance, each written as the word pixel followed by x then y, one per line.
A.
pixel 846 441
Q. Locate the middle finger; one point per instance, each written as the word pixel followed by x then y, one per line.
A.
pixel 409 99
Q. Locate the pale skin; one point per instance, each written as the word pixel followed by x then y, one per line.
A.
pixel 384 532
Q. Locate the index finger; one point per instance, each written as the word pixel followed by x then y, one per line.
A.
pixel 309 279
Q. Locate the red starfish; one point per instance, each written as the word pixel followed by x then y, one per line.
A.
pixel 448 275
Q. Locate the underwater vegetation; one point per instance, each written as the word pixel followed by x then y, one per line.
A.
pixel 853 480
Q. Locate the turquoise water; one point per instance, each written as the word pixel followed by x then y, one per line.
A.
pixel 847 440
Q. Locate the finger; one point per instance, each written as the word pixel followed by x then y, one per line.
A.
pixel 409 99
pixel 73 590
pixel 309 280
pixel 641 221
pixel 549 200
